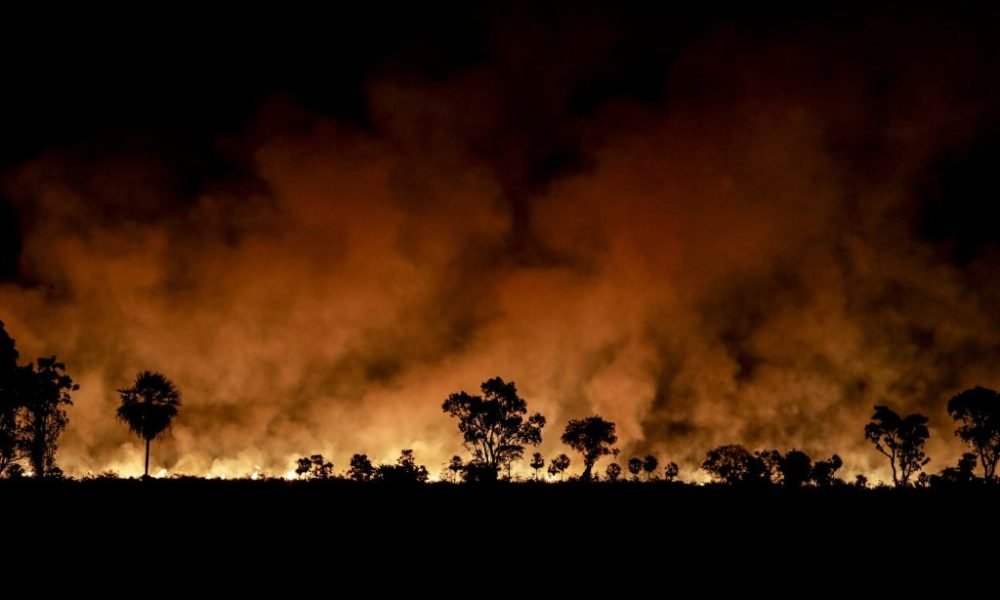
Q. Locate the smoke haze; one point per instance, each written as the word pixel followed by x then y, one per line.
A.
pixel 753 242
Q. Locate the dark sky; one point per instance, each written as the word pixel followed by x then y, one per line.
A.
pixel 174 82
pixel 777 213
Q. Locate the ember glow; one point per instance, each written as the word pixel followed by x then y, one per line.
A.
pixel 721 232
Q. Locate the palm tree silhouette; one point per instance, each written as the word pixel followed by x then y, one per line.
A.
pixel 148 407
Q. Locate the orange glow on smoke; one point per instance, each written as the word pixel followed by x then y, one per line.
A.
pixel 331 308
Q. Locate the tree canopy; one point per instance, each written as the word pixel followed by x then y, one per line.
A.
pixel 977 413
pixel 44 394
pixel 559 465
pixel 495 426
pixel 149 406
pixel 735 465
pixel 901 440
pixel 593 437
pixel 361 468
pixel 405 471
pixel 314 467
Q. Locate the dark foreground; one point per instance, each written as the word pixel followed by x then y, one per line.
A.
pixel 648 528
pixel 572 509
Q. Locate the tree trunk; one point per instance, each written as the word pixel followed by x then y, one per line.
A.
pixel 37 452
pixel 146 476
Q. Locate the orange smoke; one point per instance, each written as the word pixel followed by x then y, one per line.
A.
pixel 716 268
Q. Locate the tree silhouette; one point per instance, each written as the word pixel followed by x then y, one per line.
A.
pixel 148 407
pixel 860 481
pixel 494 426
pixel 406 470
pixel 613 472
pixel 361 468
pixel 304 465
pixel 671 472
pixel 901 440
pixel 477 472
pixel 44 393
pixel 649 465
pixel 8 350
pixel 796 468
pixel 964 473
pixel 537 463
pixel 314 467
pixel 559 465
pixel 824 472
pixel 770 460
pixel 592 437
pixel 635 467
pixel 9 401
pixel 733 464
pixel 977 412
pixel 408 464
pixel 967 466
pixel 455 467
pixel 14 471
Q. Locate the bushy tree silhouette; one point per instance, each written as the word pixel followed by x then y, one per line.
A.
pixel 592 437
pixel 613 472
pixel 824 472
pixel 314 467
pixel 148 407
pixel 649 465
pixel 901 440
pixel 559 465
pixel 361 468
pixel 455 468
pixel 477 472
pixel 537 463
pixel 977 413
pixel 795 468
pixel 14 471
pixel 406 470
pixel 304 465
pixel 770 459
pixel 495 426
pixel 860 481
pixel 671 472
pixel 635 467
pixel 964 473
pixel 967 466
pixel 44 393
pixel 735 465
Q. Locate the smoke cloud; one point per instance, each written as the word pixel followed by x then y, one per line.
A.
pixel 740 253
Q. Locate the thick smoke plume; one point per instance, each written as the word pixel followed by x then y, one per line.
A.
pixel 738 256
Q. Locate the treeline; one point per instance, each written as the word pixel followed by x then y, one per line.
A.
pixel 33 401
pixel 496 428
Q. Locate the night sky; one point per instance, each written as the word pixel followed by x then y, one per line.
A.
pixel 748 225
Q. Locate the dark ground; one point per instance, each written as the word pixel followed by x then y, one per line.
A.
pixel 339 539
pixel 579 524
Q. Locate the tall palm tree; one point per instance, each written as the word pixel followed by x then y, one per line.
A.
pixel 148 407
